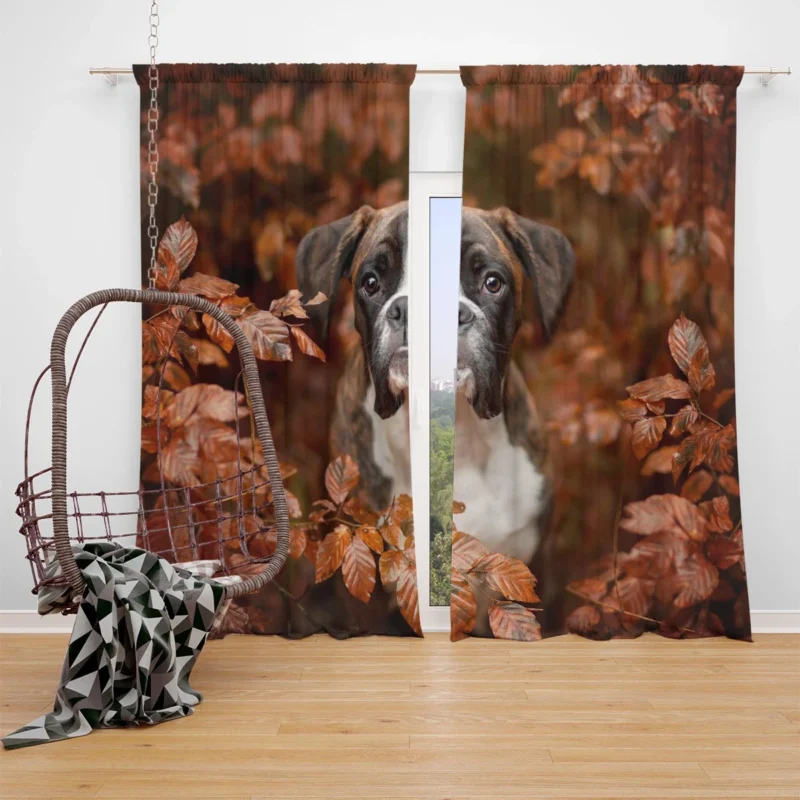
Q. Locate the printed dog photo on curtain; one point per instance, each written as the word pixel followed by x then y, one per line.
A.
pixel 283 200
pixel 595 466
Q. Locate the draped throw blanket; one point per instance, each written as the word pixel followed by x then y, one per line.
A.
pixel 138 632
pixel 282 194
pixel 596 355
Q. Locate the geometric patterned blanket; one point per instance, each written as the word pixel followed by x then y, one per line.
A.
pixel 139 629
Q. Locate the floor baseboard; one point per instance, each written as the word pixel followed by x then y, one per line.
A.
pixel 31 622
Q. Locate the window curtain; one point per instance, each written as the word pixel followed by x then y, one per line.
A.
pixel 282 197
pixel 597 401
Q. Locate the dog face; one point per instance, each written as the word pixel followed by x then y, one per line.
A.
pixel 368 248
pixel 499 252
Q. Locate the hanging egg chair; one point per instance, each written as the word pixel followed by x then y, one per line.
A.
pixel 218 518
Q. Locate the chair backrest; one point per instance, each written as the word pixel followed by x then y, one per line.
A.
pixel 253 394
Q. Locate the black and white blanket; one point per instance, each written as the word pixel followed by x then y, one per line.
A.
pixel 139 629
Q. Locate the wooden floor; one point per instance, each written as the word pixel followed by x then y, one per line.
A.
pixel 401 718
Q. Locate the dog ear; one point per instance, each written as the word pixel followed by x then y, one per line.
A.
pixel 325 256
pixel 548 260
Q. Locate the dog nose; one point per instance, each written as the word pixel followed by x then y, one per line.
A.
pixel 465 315
pixel 397 313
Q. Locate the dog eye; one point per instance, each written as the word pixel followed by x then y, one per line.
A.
pixel 370 285
pixel 493 284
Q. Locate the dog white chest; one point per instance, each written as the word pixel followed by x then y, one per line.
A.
pixel 498 483
pixel 391 444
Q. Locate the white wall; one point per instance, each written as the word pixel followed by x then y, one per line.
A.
pixel 69 205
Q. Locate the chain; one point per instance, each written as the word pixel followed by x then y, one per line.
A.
pixel 152 146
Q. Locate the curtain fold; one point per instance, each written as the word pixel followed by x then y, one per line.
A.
pixel 282 197
pixel 596 355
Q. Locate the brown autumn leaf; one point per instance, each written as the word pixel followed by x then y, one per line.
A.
pixel 402 510
pixel 589 588
pixel 717 514
pixel 693 450
pixel 208 286
pixel 596 167
pixel 602 425
pixel 390 564
pixel 560 157
pixel 394 536
pixel 180 458
pixel 162 337
pixel 180 242
pixel 207 400
pixel 306 343
pixel 268 247
pixel 694 579
pixel 150 435
pixel 319 297
pixel 724 552
pixel 210 354
pixel 729 484
pixel 234 306
pixel 288 306
pixel 155 401
pixel 293 505
pixel 331 552
pixel 659 461
pixel 341 477
pixel 632 410
pixel 217 333
pixel 152 350
pixel 297 542
pixel 167 272
pixel 696 485
pixel 359 511
pixel 513 621
pixel 661 388
pixel 508 576
pixel 701 373
pixel 398 569
pixel 219 446
pixel 467 550
pixel 583 619
pixel 683 420
pixel 717 456
pixel 664 513
pixel 689 350
pixel 358 569
pixel 175 376
pixel 406 591
pixel 655 555
pixel 647 434
pixel 463 607
pixel 371 538
pixel 267 335
pixel 631 594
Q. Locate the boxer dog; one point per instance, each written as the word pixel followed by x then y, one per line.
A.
pixel 500 457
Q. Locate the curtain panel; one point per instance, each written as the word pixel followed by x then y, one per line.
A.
pixel 596 321
pixel 282 198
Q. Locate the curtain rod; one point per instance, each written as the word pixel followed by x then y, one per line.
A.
pixel 766 73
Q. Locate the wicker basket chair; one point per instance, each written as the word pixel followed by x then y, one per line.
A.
pixel 180 523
